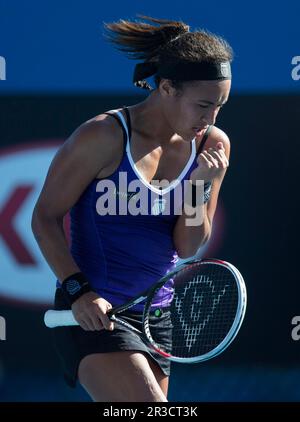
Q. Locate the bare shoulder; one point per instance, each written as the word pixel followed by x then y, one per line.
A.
pixel 218 135
pixel 90 150
pixel 98 137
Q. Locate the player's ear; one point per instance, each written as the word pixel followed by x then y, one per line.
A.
pixel 166 88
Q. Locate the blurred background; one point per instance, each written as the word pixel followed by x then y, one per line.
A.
pixel 56 71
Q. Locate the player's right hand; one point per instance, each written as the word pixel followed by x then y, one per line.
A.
pixel 90 312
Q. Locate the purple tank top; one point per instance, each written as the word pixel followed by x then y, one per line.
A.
pixel 123 253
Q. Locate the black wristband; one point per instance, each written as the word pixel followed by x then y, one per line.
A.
pixel 207 190
pixel 75 286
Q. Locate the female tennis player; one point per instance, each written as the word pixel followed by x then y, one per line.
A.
pixel 115 255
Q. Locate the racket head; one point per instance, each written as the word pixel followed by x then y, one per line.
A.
pixel 206 303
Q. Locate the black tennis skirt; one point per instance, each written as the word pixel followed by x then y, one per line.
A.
pixel 73 343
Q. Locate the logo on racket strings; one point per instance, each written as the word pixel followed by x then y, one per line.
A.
pixel 191 316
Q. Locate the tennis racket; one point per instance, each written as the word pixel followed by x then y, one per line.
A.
pixel 206 300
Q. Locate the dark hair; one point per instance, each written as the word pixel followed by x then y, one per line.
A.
pixel 165 41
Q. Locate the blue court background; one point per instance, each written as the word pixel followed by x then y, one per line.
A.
pixel 57 46
pixel 60 72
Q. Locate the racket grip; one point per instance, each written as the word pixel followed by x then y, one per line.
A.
pixel 54 319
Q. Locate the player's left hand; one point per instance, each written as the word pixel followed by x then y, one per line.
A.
pixel 211 163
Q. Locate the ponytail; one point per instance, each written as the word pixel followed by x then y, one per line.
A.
pixel 140 40
pixel 164 43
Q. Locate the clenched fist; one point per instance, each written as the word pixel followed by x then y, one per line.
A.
pixel 211 163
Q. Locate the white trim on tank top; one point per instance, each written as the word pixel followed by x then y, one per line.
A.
pixel 141 177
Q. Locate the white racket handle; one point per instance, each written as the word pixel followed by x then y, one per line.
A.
pixel 54 319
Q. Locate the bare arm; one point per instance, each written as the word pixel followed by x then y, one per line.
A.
pixel 187 238
pixel 76 164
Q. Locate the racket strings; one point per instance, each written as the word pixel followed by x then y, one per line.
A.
pixel 203 308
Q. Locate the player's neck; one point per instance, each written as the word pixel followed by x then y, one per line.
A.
pixel 148 119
